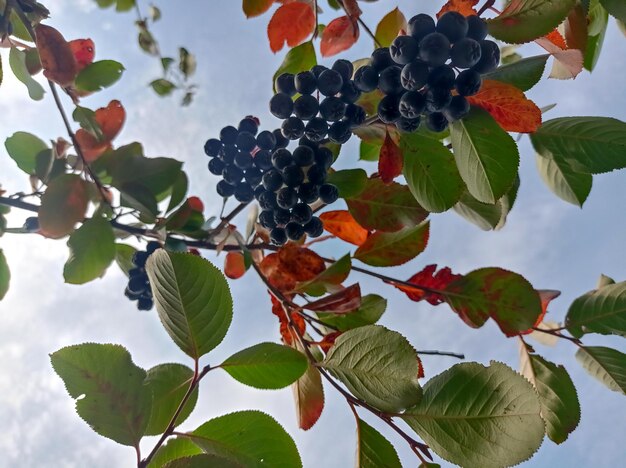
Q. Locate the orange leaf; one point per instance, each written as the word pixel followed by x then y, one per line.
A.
pixel 84 51
pixel 234 265
pixel 57 59
pixel 427 278
pixel 420 369
pixel 465 7
pixel 557 39
pixel 110 119
pixel 290 265
pixel 390 161
pixel 291 23
pixel 253 8
pixel 308 394
pixel 340 223
pixel 339 35
pixel 508 106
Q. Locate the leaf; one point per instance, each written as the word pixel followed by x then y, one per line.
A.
pixel 371 310
pixel 523 74
pixel 576 29
pixel 186 62
pixel 84 52
pixel 430 172
pixel 373 450
pixel 341 302
pixel 340 223
pixel 108 388
pixel 23 148
pixel 17 62
pixel 174 449
pixel 487 156
pixel 290 24
pixel 179 191
pixel 63 204
pixel 524 20
pixel 92 249
pixel 390 161
pixel 385 207
pixel 124 257
pixel 598 20
pixel 192 298
pixel 99 75
pixel 389 27
pixel 330 278
pixel 266 366
pixel 168 384
pixel 568 63
pixel 560 408
pixel 368 151
pixel 308 395
pixel 300 58
pixel 508 106
pixel 465 7
pixel 588 144
pixel 163 87
pixel 484 215
pixel 478 416
pixel 384 249
pixel 5 275
pixel 604 364
pixel 250 438
pixel 253 8
pixel 203 460
pixel 427 278
pixel 104 125
pixel 616 8
pixel 57 59
pixel 292 264
pixel 505 296
pixel 349 182
pixel 601 311
pixel 569 185
pixel 339 35
pixel 377 365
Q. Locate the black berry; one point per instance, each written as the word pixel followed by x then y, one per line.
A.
pixel 285 84
pixel 212 147
pixel 457 109
pixel 303 156
pixel 344 67
pixel 287 197
pixel 292 128
pixel 389 82
pixel 441 77
pixel 294 230
pixel 420 26
pixel 465 53
pixel 407 125
pixel 489 58
pixel 329 193
pixel 332 109
pixel 329 82
pixel 339 132
pixel 436 122
pixel 281 106
pixel 453 25
pixel 435 49
pixel 228 135
pixel 315 227
pixel 414 75
pixel 412 104
pixel 381 59
pixel 366 78
pixel 306 107
pixel 281 158
pixel 266 140
pixel 404 49
pixel 216 166
pixel 468 82
pixel 224 189
pixel 388 110
pixel 477 28
pixel 278 236
pixel 246 141
pixel 305 82
pixel 301 213
pixel 316 129
pixel 293 176
pixel 272 180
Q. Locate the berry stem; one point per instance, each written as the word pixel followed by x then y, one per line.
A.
pixel 360 21
pixel 488 4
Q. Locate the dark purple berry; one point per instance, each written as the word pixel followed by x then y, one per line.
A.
pixel 216 166
pixel 344 68
pixel 436 122
pixel 408 125
pixel 329 82
pixel 232 174
pixel 138 284
pixel 228 153
pixel 308 192
pixel 412 104
pixel 249 124
pixel 339 132
pixel 381 59
pixel 244 192
pixel 281 141
pixel 389 82
pixel 285 84
pixel 305 82
pixel 292 128
pixel 465 53
pixel 152 247
pixel 145 303
pixel 388 110
pixel 329 193
pixel 272 180
pixel 318 69
pixel 246 141
pixel 281 158
pixel 366 78
pixel 435 49
pixel 212 147
pixel 457 109
pixel 294 230
pixel 140 257
pixel 303 156
pixel 315 227
pixel 306 107
pixel 281 216
pixel 453 25
pixel 324 157
pixel 224 189
pixel 266 219
pixel 420 26
pixel 315 130
pixel 281 105
pixel 404 49
pixel 278 236
pixel 266 140
pixel 267 200
pixel 316 174
pixel 477 28
pixel 414 75
pixel 437 99
pixel 468 82
pixel 489 58
pixel 293 176
pixel 228 135
pixel 332 109
pixel 355 114
pixel 263 160
pixel 301 213
pixel 243 160
pixel 287 197
pixel 441 77
pixel 349 92
pixel 253 176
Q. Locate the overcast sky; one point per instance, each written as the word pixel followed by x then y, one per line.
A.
pixel 553 244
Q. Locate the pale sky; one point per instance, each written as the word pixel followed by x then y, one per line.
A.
pixel 553 244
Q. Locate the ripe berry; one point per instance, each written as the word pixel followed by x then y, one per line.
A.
pixel 468 82
pixel 420 26
pixel 316 174
pixel 441 77
pixel 301 213
pixel 324 157
pixel 404 49
pixel 281 106
pixel 315 130
pixel 329 193
pixel 366 78
pixel 281 141
pixel 31 224
pixel 304 141
pixel 318 69
pixel 263 160
pixel 457 109
pixel 332 109
pixel 453 25
pixel 278 236
pixel 253 176
pixel 293 176
pixel 267 200
pixel 437 99
pixel 249 124
pixel 152 247
pixel 266 219
pixel 224 189
pixel 308 192
pixel 285 84
pixel 355 115
pixel 145 303
pixel 435 49
pixel 465 53
pixel 388 109
pixel 243 160
pixel 228 153
pixel 305 82
pixel 294 230
pixel 412 104
pixel 339 132
pixel 436 122
pixel 349 92
pixel 212 147
pixel 228 135
pixel 408 125
pixel 329 82
pixel 315 227
pixel 389 82
pixel 216 166
pixel 272 180
pixel 282 216
pixel 287 197
pixel 477 28
pixel 139 258
pixel 281 158
pixel 306 107
pixel 292 128
pixel 345 68
pixel 489 58
pixel 414 75
pixel 232 174
pixel 381 59
pixel 303 156
pixel 244 192
pixel 138 284
pixel 266 140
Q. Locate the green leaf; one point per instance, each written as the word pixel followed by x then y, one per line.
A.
pixel 369 151
pixel 588 144
pixel 525 20
pixel 430 172
pixel 394 248
pixel 372 309
pixel 373 450
pixel 605 364
pixel 478 416
pixel 377 365
pixel 386 207
pixel 140 198
pixel 601 311
pixel 523 74
pixel 169 384
pixel 179 191
pixel 186 62
pixel 5 275
pixel 17 62
pixel 567 184
pixel 598 19
pixel 250 438
pixel 266 366
pixel 349 182
pixel 486 155
pixel 616 8
pixel 99 75
pixel 125 5
pixel 389 27
pixel 494 292
pixel 163 87
pixel 256 7
pixel 203 460
pixel 124 257
pixel 560 408
pixel 174 449
pixel 193 300
pixel 300 58
pixel 23 148
pixel 63 204
pixel 92 249
pixel 109 388
pixel 86 118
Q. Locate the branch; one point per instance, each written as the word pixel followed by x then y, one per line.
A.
pixel 360 21
pixel 443 353
pixel 488 4
pixel 228 218
pixel 558 335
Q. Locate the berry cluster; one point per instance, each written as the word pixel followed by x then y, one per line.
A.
pixel 333 116
pixel 297 179
pixel 418 72
pixel 138 288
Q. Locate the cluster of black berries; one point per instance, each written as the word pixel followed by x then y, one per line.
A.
pixel 138 288
pixel 418 72
pixel 297 179
pixel 241 157
pixel 333 116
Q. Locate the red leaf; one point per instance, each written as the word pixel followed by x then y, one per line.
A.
pixel 308 394
pixel 340 223
pixel 84 51
pixel 329 340
pixel 342 302
pixel 508 106
pixel 557 39
pixel 431 280
pixel 234 265
pixel 352 8
pixel 110 119
pixel 57 59
pixel 291 23
pixel 339 35
pixel 465 7
pixel 390 161
pixel 290 265
pixel 420 369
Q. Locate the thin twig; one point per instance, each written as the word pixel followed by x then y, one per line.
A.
pixel 488 4
pixel 443 353
pixel 228 218
pixel 557 334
